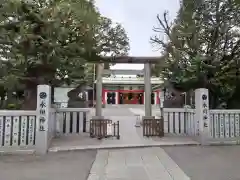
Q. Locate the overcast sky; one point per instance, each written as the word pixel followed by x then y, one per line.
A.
pixel 138 18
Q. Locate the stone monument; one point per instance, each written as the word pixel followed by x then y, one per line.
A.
pixel 78 97
pixel 202 114
pixel 43 131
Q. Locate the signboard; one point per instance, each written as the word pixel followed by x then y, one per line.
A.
pixel 42 111
pixel 161 97
pixel 109 129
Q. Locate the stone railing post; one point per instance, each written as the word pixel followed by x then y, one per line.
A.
pixel 202 116
pixel 43 116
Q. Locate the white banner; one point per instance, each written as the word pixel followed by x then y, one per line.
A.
pixel 109 129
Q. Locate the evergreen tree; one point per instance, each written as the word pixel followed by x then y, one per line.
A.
pixel 203 49
pixel 50 42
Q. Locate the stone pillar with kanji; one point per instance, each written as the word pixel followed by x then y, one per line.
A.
pixel 43 116
pixel 202 116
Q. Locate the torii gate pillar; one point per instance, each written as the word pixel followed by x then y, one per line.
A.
pixel 147 89
pixel 98 108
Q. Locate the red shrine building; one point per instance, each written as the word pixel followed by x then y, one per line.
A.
pixel 127 87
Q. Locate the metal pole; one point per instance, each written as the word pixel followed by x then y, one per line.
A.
pixel 185 98
pixel 148 89
pixel 99 90
pixel 94 73
pixel 161 97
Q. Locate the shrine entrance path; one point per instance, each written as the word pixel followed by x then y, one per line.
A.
pixel 130 136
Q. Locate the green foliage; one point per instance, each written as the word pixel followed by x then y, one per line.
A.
pixel 13 106
pixel 203 48
pixel 50 42
pixel 42 36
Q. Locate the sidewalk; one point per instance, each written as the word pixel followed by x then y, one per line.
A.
pixel 135 164
pixel 207 162
pixel 53 166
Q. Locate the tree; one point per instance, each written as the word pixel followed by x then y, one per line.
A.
pixel 50 42
pixel 203 46
pixel 111 41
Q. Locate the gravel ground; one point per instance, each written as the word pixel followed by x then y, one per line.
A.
pixel 212 162
pixel 53 166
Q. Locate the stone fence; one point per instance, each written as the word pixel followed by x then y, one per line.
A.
pixel 34 130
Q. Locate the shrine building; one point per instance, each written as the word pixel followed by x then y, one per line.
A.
pixel 127 87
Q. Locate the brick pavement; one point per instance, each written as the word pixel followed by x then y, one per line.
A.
pixel 135 164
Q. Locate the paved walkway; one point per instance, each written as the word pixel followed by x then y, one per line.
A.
pixel 53 166
pixel 135 164
pixel 207 162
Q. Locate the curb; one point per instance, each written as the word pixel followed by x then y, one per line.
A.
pixel 17 152
pixel 79 148
pixel 224 143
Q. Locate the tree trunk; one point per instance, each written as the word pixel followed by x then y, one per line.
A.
pixel 30 98
pixel 40 74
pixel 52 94
pixel 213 100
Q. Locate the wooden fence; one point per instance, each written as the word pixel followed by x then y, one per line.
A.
pixel 103 128
pixel 153 127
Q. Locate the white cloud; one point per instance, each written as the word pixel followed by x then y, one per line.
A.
pixel 138 19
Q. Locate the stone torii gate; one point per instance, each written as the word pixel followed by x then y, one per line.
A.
pixel 147 61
